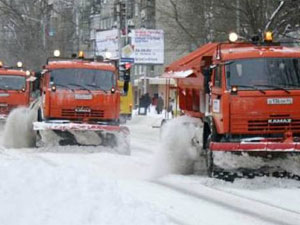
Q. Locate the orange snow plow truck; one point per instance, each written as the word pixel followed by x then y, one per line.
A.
pixel 14 89
pixel 80 103
pixel 247 95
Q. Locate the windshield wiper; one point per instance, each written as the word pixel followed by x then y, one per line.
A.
pixel 95 86
pixel 82 86
pixel 291 85
pixel 274 87
pixel 65 86
pixel 252 87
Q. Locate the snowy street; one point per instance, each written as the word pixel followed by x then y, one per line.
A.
pixel 85 185
pixel 150 112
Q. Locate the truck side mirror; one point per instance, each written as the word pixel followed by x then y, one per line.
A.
pixel 207 72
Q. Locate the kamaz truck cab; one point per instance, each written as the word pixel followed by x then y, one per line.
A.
pixel 80 102
pixel 15 89
pixel 247 94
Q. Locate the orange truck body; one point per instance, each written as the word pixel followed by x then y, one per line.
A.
pixel 14 90
pixel 79 105
pixel 255 116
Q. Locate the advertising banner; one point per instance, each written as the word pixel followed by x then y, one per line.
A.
pixel 107 41
pixel 148 46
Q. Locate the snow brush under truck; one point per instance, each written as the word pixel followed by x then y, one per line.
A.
pixel 247 95
pixel 80 104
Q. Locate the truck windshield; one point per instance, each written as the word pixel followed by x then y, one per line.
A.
pixel 90 79
pixel 264 73
pixel 9 82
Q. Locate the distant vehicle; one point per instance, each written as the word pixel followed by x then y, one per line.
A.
pixel 80 103
pixel 247 95
pixel 126 102
pixel 15 89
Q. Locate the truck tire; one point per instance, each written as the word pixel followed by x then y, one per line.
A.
pixel 39 115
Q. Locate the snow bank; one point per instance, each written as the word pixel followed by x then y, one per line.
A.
pixel 18 131
pixel 177 154
pixel 36 190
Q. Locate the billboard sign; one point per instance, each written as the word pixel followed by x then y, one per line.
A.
pixel 107 41
pixel 148 46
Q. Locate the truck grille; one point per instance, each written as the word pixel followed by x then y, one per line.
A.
pixel 73 113
pixel 265 125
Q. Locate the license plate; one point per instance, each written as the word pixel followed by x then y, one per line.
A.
pixel 280 101
pixel 83 96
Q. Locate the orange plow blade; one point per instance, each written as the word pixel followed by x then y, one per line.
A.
pixel 255 146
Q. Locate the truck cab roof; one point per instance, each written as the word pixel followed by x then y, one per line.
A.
pixel 77 63
pixel 13 72
pixel 231 51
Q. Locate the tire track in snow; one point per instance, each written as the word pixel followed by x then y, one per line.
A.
pixel 254 200
pixel 259 210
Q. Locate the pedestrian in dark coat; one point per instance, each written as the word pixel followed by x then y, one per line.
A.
pixel 160 105
pixel 147 100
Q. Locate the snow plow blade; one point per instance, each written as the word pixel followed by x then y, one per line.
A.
pixel 271 149
pixel 68 133
pixel 255 147
pixel 77 126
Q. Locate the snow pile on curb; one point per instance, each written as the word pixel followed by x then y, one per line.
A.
pixel 176 153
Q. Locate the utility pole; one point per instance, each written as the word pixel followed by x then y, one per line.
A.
pixel 238 23
pixel 122 20
pixel 118 11
pixel 126 22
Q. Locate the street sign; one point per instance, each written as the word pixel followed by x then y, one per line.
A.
pixel 127 54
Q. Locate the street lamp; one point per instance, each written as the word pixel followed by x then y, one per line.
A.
pixel 41 21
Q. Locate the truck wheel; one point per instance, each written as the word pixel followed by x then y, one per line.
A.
pixel 39 115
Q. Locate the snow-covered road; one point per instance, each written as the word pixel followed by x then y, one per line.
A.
pixel 87 185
